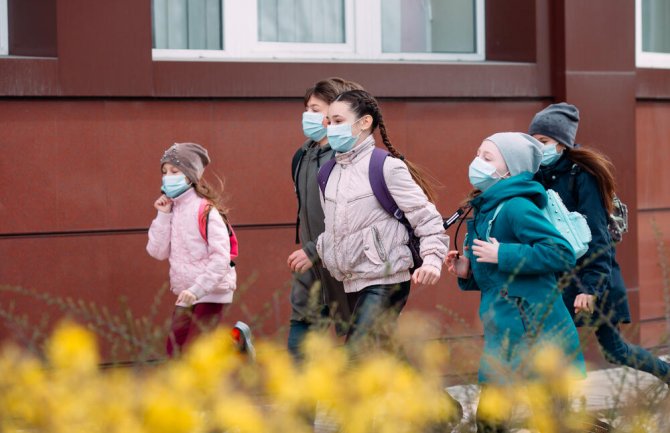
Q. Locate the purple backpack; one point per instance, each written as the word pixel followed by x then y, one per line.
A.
pixel 383 196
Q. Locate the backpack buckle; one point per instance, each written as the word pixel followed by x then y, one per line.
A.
pixel 398 214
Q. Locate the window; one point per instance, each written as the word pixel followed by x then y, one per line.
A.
pixel 4 41
pixel 652 33
pixel 319 30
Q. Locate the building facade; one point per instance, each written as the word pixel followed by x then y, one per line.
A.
pixel 92 92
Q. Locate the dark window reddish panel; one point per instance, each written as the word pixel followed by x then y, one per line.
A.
pixel 32 28
pixel 510 30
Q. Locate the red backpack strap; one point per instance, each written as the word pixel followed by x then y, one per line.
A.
pixel 234 246
pixel 203 218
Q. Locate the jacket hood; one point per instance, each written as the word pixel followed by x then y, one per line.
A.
pixel 521 185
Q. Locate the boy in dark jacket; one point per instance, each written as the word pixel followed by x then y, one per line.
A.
pixel 317 299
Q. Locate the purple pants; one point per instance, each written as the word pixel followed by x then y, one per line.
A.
pixel 189 322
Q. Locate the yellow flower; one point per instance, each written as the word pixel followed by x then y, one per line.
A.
pixel 237 413
pixel 73 348
pixel 494 404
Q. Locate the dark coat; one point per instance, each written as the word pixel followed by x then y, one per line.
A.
pixel 315 288
pixel 601 276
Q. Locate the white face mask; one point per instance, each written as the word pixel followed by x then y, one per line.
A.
pixel 341 138
pixel 483 174
pixel 550 154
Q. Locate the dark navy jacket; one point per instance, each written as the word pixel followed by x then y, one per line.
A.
pixel 598 272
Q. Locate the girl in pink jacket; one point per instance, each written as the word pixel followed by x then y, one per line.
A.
pixel 201 272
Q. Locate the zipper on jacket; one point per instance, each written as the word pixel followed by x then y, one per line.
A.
pixel 379 246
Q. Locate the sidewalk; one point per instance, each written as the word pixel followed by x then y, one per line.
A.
pixel 606 389
pixel 612 388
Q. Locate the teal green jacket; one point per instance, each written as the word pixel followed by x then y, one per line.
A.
pixel 531 250
pixel 521 305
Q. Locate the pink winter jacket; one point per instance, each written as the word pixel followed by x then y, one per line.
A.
pixel 362 244
pixel 194 265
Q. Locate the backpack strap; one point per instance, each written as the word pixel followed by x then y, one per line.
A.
pixel 380 188
pixel 203 218
pixel 490 226
pixel 296 162
pixel 573 181
pixel 324 174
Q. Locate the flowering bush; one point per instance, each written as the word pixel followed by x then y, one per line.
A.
pixel 213 388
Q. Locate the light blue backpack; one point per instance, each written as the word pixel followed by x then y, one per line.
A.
pixel 572 225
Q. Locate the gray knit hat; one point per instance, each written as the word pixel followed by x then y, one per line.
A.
pixel 521 151
pixel 190 158
pixel 558 121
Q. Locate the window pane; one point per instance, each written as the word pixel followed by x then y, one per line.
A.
pixel 656 26
pixel 429 26
pixel 305 21
pixel 188 24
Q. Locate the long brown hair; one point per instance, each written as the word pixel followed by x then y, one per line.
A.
pixel 362 103
pixel 598 165
pixel 214 194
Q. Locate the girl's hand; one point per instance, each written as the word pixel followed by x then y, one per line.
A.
pixel 585 303
pixel 458 265
pixel 299 262
pixel 486 252
pixel 185 298
pixel 163 204
pixel 426 274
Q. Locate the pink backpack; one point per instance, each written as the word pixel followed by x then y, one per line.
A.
pixel 203 220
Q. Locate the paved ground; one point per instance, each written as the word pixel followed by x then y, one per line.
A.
pixel 606 392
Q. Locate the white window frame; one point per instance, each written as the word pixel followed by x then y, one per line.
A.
pixel 4 29
pixel 646 59
pixel 363 41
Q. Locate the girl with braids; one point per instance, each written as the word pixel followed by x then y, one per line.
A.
pixel 201 272
pixel 363 245
pixel 583 177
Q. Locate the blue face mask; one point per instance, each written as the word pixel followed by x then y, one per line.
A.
pixel 550 154
pixel 341 138
pixel 312 125
pixel 482 174
pixel 174 185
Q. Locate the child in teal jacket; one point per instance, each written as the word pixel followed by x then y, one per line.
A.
pixel 511 255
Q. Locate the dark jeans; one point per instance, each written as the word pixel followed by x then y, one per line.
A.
pixel 618 351
pixel 375 313
pixel 189 322
pixel 299 329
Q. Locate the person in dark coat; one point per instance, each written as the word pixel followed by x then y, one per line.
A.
pixel 317 299
pixel 583 178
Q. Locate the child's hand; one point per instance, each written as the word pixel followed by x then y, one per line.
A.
pixel 486 252
pixel 163 204
pixel 585 302
pixel 426 274
pixel 458 265
pixel 298 261
pixel 185 298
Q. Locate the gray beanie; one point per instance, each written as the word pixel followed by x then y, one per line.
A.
pixel 558 121
pixel 190 158
pixel 521 151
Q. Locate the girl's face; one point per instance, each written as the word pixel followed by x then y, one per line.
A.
pixel 169 169
pixel 340 112
pixel 548 141
pixel 318 105
pixel 489 152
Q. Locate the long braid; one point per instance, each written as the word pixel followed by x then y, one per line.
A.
pixel 363 103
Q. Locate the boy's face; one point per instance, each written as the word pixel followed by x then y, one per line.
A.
pixel 316 105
